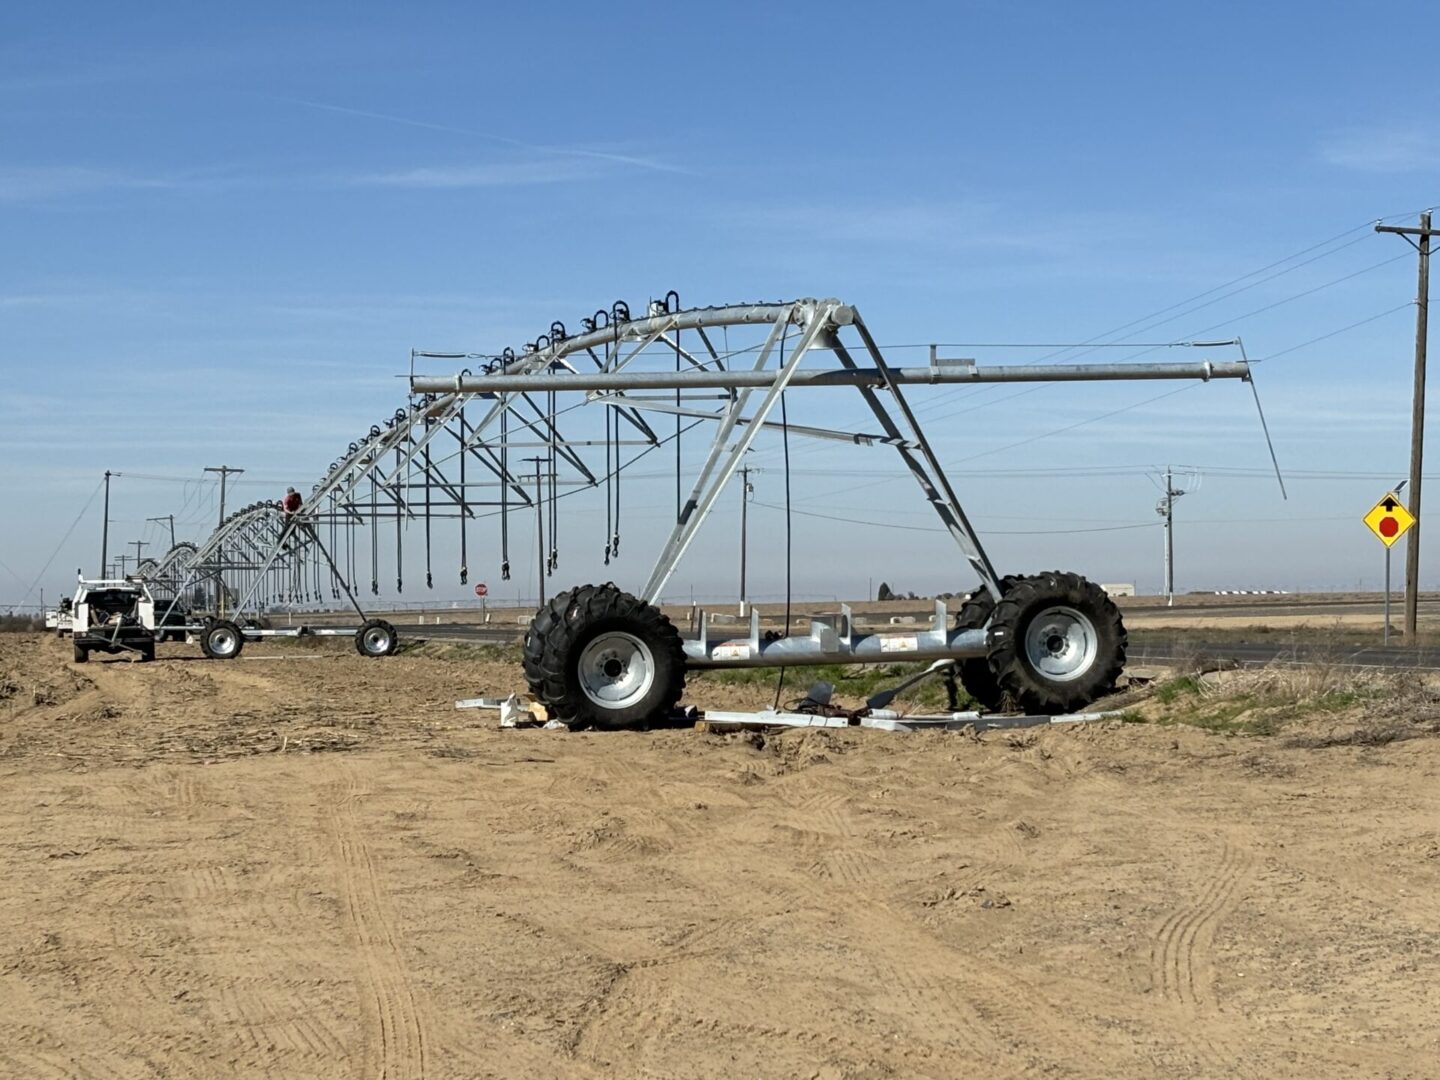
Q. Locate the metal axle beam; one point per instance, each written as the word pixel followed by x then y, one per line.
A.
pixel 866 377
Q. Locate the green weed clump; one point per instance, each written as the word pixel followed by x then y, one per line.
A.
pixel 850 681
pixel 1262 701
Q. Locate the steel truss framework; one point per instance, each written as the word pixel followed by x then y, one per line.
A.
pixel 489 443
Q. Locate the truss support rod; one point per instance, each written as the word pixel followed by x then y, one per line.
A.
pixel 711 481
pixel 344 585
pixel 859 438
pixel 927 469
pixel 872 377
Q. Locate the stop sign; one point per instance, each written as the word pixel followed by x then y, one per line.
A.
pixel 481 589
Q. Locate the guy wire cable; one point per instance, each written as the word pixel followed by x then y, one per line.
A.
pixel 399 530
pixel 785 440
pixel 464 499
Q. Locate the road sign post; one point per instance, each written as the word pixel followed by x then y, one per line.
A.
pixel 1389 520
pixel 1386 639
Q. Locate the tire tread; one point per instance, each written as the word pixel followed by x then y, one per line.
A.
pixel 560 631
pixel 1012 671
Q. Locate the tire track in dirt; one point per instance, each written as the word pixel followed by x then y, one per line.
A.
pixel 1180 968
pixel 924 991
pixel 267 1011
pixel 1180 950
pixel 274 1022
pixel 954 1001
pixel 396 1042
pixel 825 832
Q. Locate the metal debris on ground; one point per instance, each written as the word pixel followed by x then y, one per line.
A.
pixel 519 710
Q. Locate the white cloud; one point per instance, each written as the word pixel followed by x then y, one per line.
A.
pixel 38 182
pixel 1384 149
pixel 43 183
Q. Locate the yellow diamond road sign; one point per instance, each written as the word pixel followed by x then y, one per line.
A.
pixel 1389 520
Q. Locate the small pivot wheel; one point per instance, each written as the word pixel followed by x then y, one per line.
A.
pixel 222 640
pixel 376 638
pixel 1056 643
pixel 597 656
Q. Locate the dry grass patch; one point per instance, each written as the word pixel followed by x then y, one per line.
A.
pixel 1328 702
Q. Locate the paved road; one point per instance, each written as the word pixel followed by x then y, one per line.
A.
pixel 1298 606
pixel 1255 653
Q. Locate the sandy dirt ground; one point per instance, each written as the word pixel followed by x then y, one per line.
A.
pixel 310 864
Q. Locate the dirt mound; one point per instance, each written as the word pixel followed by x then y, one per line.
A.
pixel 304 863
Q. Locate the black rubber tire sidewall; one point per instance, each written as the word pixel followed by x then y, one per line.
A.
pixel 81 655
pixel 975 674
pixel 394 637
pixel 1009 663
pixel 375 624
pixel 559 634
pixel 216 625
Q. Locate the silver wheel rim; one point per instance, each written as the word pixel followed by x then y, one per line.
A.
pixel 223 642
pixel 616 670
pixel 377 640
pixel 1061 643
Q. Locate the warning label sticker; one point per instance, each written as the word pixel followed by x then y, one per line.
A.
pixel 899 643
pixel 731 650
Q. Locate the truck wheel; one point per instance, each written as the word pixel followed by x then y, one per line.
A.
pixel 975 674
pixel 1056 643
pixel 147 653
pixel 598 656
pixel 222 640
pixel 81 654
pixel 376 638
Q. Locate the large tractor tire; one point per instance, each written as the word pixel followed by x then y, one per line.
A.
pixel 376 638
pixel 596 656
pixel 975 674
pixel 1056 643
pixel 221 640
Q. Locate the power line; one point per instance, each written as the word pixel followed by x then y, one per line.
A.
pixel 932 529
pixel 1336 333
pixel 1080 423
pixel 44 569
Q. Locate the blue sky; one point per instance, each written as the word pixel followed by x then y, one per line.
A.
pixel 226 228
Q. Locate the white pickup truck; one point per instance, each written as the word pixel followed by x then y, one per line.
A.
pixel 59 619
pixel 112 615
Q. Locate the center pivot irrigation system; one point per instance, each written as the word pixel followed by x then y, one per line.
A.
pixel 596 655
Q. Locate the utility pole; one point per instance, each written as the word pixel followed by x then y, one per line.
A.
pixel 138 545
pixel 540 524
pixel 224 471
pixel 171 519
pixel 1166 509
pixel 105 531
pixel 1417 414
pixel 746 490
